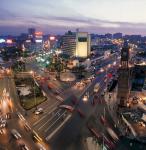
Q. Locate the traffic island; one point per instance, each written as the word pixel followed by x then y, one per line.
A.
pixel 29 93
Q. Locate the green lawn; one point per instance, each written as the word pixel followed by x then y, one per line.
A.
pixel 30 103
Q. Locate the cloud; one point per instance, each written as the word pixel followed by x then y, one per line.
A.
pixel 58 24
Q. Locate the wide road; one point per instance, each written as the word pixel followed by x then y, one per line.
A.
pixel 69 136
pixel 14 122
pixel 46 121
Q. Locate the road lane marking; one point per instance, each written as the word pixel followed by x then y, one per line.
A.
pixel 54 122
pixel 50 107
pixel 44 116
pixel 55 131
pixel 49 120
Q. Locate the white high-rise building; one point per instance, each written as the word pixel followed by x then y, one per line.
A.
pixel 83 44
pixel 77 44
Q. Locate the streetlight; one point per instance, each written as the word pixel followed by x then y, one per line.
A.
pixel 32 73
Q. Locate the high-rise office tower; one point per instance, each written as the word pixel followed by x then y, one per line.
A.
pixel 31 32
pixel 83 44
pixel 69 43
pixel 76 44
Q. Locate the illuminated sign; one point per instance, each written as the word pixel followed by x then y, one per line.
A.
pixel 9 41
pixel 38 41
pixel 2 40
pixel 52 38
pixel 38 33
pixel 28 41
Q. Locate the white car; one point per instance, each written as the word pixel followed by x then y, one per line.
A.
pixel 3 123
pixel 38 111
pixel 15 134
pixel 141 124
pixel 86 97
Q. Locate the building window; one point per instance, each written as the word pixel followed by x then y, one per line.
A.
pixel 82 39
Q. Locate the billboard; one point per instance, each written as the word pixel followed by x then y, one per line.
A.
pixel 28 41
pixel 52 38
pixel 9 41
pixel 38 33
pixel 2 40
pixel 39 41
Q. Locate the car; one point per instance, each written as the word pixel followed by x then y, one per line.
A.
pixel 20 116
pixel 109 143
pixel 101 70
pixel 41 147
pixel 112 133
pixel 1 131
pixel 27 127
pixel 36 137
pixel 23 147
pixel 141 124
pixel 135 101
pixel 54 79
pixel 8 116
pixel 94 131
pixel 135 98
pixel 15 134
pixel 3 123
pixel 38 111
pixel 85 98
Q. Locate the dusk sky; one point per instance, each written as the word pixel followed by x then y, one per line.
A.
pixel 58 16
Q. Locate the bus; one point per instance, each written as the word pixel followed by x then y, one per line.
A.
pixel 70 108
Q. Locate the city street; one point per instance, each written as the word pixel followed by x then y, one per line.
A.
pixel 14 122
pixel 54 120
pixel 73 75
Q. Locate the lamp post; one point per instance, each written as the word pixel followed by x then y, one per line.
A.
pixel 23 50
pixel 103 128
pixel 32 73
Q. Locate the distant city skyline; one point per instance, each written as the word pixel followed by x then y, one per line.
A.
pixel 58 16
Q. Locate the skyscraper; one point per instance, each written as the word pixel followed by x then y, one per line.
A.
pixel 31 32
pixel 69 43
pixel 76 44
pixel 83 44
